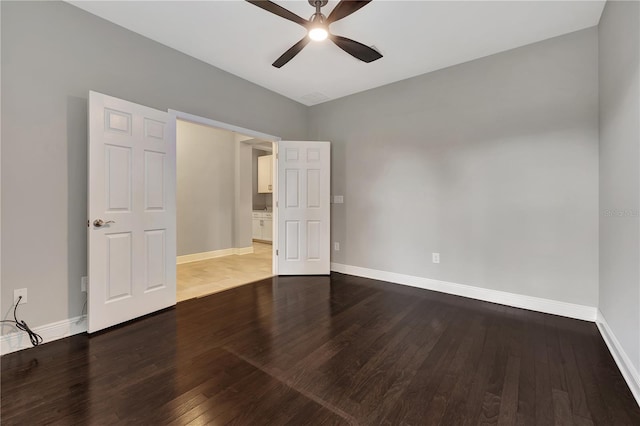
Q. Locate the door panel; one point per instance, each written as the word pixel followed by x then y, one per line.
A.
pixel 313 188
pixel 313 239
pixel 303 218
pixel 132 190
pixel 155 259
pixel 292 240
pixel 118 266
pixel 153 180
pixel 118 169
pixel 292 188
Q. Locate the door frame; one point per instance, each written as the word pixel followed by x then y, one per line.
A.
pixel 175 115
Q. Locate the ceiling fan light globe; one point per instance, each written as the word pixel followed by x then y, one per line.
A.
pixel 318 34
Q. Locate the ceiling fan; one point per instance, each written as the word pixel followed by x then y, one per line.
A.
pixel 318 28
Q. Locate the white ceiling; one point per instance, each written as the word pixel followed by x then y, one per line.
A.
pixel 415 37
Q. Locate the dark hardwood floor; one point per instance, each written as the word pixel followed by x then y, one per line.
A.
pixel 320 350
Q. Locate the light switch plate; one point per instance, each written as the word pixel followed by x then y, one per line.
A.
pixel 338 199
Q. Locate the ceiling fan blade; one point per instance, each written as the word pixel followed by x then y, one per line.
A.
pixel 293 51
pixel 270 6
pixel 355 49
pixel 344 9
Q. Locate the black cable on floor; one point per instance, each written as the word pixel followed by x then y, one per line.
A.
pixel 35 338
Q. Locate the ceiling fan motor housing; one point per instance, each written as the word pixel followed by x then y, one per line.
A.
pixel 322 2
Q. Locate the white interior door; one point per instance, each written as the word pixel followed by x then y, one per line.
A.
pixel 304 173
pixel 132 219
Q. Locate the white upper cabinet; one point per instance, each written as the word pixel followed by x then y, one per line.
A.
pixel 265 174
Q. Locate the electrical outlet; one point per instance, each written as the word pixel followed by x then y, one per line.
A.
pixel 83 284
pixel 20 292
pixel 435 257
pixel 336 246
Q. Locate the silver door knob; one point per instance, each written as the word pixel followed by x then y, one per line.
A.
pixel 99 223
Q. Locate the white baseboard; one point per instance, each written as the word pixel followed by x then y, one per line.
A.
pixel 243 250
pixel 19 340
pixel 213 254
pixel 621 358
pixel 571 310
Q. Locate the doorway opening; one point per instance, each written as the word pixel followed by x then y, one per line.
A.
pixel 132 251
pixel 225 192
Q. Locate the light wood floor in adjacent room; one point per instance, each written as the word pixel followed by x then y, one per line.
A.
pixel 196 279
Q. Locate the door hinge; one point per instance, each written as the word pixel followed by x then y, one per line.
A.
pixel 276 204
pixel 88 223
pixel 277 252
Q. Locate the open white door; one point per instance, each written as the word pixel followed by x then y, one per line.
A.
pixel 304 173
pixel 132 220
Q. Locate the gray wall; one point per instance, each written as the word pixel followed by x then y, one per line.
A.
pixel 619 42
pixel 492 163
pixel 243 217
pixel 205 199
pixel 52 55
